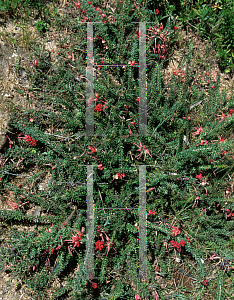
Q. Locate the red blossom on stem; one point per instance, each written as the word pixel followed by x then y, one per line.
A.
pixel 175 244
pixel 175 231
pixel 28 138
pixel 13 205
pixel 146 151
pixel 98 107
pixel 230 213
pixel 100 167
pixel 77 4
pixel 204 282
pixel 75 239
pixel 151 213
pixel 222 116
pixel 94 285
pixel 10 141
pixel 118 175
pixel 198 131
pixel 182 243
pixel 99 245
pixel 199 176
pixel 92 149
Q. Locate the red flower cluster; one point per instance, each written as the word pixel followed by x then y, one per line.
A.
pixel 175 231
pixel 131 63
pixel 77 4
pixel 99 245
pixel 94 285
pixel 75 240
pixel 35 63
pixel 98 107
pixel 100 167
pixel 118 175
pixel 230 213
pixel 28 138
pixel 199 176
pixel 151 213
pixel 223 117
pixel 182 243
pixel 92 149
pixel 177 245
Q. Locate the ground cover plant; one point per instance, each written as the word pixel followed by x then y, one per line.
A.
pixel 187 155
pixel 213 21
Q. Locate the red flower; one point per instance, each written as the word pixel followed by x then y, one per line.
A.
pixel 109 245
pixel 175 244
pixel 157 11
pixel 146 151
pixel 230 213
pixel 27 138
pixel 98 107
pixel 182 243
pixel 175 231
pixel 34 142
pixel 89 2
pixel 118 175
pixel 77 4
pixel 231 111
pixel 94 285
pixel 75 239
pixel 199 130
pixel 151 213
pixel 199 176
pixel 99 245
pixel 92 149
pixel 175 27
pixel 100 167
pixel 204 282
pixel 188 239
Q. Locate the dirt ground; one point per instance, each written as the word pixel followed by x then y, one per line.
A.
pixel 203 56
